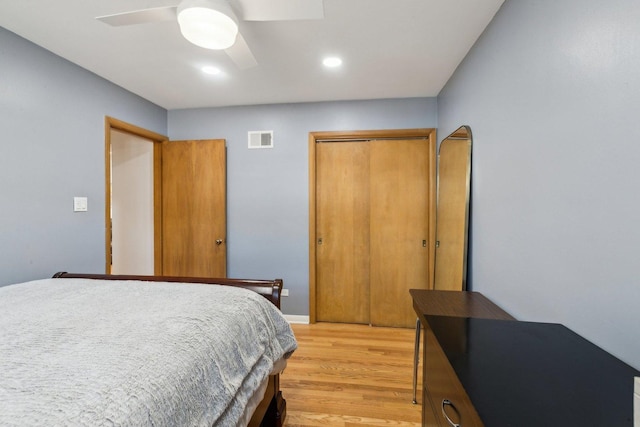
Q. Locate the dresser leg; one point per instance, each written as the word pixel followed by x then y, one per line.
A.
pixel 416 358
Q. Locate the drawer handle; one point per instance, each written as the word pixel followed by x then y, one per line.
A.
pixel 446 402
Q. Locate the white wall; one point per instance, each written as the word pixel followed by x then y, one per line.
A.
pixel 552 94
pixel 268 190
pixel 132 204
pixel 51 149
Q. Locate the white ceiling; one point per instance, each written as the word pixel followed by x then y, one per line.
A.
pixel 390 49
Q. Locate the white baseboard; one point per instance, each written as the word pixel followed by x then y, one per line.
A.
pixel 294 318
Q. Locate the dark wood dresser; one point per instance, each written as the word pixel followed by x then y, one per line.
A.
pixel 483 368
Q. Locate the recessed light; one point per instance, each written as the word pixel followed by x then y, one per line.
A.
pixel 332 62
pixel 214 71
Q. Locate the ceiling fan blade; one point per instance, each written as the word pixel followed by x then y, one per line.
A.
pixel 143 16
pixel 240 54
pixel 281 10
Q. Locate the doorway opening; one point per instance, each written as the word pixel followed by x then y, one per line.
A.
pixel 133 204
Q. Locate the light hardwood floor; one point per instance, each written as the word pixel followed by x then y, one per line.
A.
pixel 347 375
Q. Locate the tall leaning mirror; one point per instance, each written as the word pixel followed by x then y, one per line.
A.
pixel 452 210
pixel 452 220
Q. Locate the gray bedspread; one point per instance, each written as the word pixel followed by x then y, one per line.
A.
pixel 118 353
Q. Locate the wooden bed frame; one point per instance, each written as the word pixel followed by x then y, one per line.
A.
pixel 272 410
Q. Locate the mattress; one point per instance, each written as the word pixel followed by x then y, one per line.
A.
pixel 93 352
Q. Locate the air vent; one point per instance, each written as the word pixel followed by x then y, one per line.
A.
pixel 261 139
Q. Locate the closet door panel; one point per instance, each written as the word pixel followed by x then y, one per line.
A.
pixel 399 215
pixel 342 232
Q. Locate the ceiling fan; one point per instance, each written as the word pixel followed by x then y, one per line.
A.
pixel 213 24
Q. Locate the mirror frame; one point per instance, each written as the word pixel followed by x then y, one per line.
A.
pixel 452 233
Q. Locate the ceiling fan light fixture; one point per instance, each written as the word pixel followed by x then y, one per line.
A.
pixel 210 24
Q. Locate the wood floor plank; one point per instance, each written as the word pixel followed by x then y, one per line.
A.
pixel 347 375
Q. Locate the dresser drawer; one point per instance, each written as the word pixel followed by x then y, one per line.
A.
pixel 443 396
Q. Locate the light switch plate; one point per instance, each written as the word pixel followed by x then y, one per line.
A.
pixel 80 204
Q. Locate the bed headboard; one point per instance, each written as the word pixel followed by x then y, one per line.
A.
pixel 270 289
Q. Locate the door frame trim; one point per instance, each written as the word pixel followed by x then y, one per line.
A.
pixel 111 124
pixel 337 136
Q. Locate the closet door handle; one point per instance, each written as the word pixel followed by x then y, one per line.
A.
pixel 447 402
pixel 218 242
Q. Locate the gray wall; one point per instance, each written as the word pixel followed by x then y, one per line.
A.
pixel 268 190
pixel 552 94
pixel 52 149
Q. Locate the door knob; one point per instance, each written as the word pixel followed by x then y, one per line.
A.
pixel 218 242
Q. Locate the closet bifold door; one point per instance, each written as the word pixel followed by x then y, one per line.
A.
pixel 342 246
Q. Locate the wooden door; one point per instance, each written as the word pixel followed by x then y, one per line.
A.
pixel 399 212
pixel 342 197
pixel 194 208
